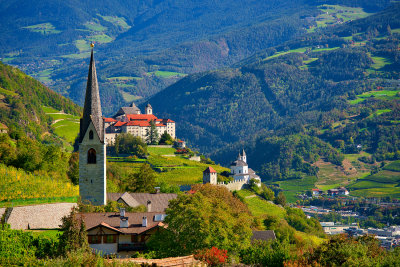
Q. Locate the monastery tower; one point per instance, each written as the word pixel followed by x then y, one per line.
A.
pixel 92 148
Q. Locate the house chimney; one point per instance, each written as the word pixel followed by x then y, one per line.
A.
pixel 148 206
pixel 123 223
pixel 122 212
pixel 144 221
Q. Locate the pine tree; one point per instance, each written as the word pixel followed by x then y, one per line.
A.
pixel 74 236
pixel 152 134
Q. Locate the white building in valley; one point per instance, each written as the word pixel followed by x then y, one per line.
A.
pixel 240 169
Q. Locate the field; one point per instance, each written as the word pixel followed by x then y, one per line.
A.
pixel 95 26
pixel 381 94
pixel 118 21
pixel 380 62
pixel 336 14
pixel 384 183
pixel 19 187
pixel 292 187
pixel 259 206
pixel 179 170
pixel 167 74
pixel 43 28
pixel 64 125
pixel 174 170
pixel 156 150
pixel 129 97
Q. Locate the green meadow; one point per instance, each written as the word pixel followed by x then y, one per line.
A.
pixel 43 28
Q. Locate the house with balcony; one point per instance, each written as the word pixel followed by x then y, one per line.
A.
pixel 113 232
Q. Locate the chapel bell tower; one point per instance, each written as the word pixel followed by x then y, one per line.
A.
pixel 92 148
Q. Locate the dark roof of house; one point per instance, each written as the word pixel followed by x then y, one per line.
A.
pixel 132 109
pixel 159 202
pixel 209 170
pixel 92 106
pixel 111 220
pixel 263 235
pixel 239 163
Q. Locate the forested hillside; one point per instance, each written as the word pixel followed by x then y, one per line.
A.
pixel 33 143
pixel 316 96
pixel 144 46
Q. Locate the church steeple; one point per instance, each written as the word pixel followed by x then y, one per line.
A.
pixel 92 106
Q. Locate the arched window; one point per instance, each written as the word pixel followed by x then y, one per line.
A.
pixel 91 135
pixel 91 157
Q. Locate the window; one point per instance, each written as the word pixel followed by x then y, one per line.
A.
pixel 94 239
pixel 91 158
pixel 110 239
pixel 91 135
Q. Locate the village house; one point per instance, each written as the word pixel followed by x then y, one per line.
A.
pixel 316 192
pixel 112 233
pixel 130 120
pixel 156 202
pixel 3 128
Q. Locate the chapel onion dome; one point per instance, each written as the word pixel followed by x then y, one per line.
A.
pixel 148 105
pixel 239 163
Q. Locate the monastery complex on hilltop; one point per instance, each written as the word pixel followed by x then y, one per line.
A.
pixel 130 120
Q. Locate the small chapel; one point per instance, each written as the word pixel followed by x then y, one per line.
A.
pixel 240 169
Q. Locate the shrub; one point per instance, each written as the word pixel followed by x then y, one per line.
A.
pixel 213 256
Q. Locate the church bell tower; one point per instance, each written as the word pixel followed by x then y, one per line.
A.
pixel 92 148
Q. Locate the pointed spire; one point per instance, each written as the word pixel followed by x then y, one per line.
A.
pixel 239 156
pixel 243 153
pixel 92 107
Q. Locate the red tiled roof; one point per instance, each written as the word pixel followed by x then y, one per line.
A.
pixel 119 123
pixel 109 120
pixel 145 117
pixel 160 125
pixel 168 120
pixel 209 170
pixel 3 126
pixel 138 123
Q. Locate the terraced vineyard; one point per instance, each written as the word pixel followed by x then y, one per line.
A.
pixel 64 125
pixel 382 184
pixel 171 169
pixel 18 187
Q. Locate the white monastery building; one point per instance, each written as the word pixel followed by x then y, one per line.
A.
pixel 130 120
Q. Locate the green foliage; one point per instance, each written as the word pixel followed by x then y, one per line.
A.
pixel 262 253
pixel 142 181
pixel 126 143
pixel 166 139
pixel 341 250
pixel 299 221
pixel 152 134
pixel 210 217
pixel 73 170
pixel 280 199
pixel 74 236
pixel 112 206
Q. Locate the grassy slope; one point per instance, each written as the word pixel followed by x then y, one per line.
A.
pixel 260 207
pixel 382 184
pixel 174 170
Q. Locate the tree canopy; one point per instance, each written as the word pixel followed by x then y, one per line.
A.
pixel 211 216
